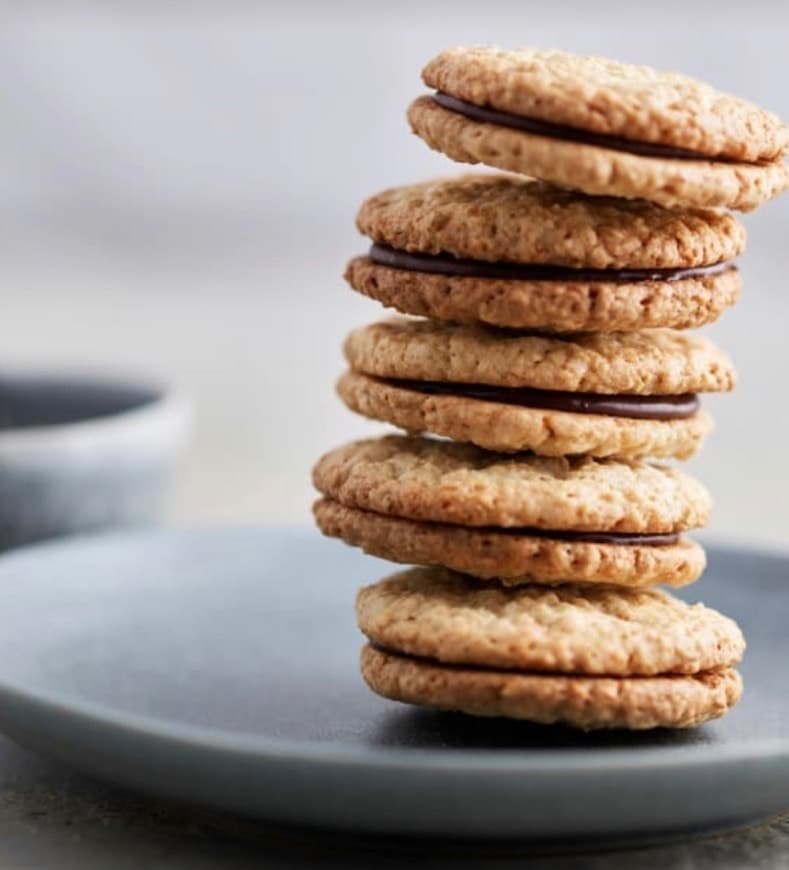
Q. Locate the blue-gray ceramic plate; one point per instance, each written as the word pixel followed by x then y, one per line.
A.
pixel 220 667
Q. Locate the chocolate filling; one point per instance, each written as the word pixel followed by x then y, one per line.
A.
pixel 624 539
pixel 621 405
pixel 457 666
pixel 446 264
pixel 469 666
pixel 571 134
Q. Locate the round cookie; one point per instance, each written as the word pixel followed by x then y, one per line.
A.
pixel 609 98
pixel 444 482
pixel 603 96
pixel 629 395
pixel 513 557
pixel 522 254
pixel 581 702
pixel 511 428
pixel 591 630
pixel 602 128
pixel 653 362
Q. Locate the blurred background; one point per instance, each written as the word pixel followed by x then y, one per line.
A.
pixel 178 185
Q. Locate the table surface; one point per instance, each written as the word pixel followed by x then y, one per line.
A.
pixel 53 817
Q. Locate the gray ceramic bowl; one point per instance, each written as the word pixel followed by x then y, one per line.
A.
pixel 81 453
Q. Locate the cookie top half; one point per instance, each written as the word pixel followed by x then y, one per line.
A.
pixel 650 362
pixel 611 99
pixel 446 482
pixel 494 218
pixel 447 617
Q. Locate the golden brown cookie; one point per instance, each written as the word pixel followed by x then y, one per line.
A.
pixel 601 127
pixel 623 394
pixel 643 165
pixel 513 557
pixel 655 362
pixel 445 482
pixel 592 630
pixel 615 99
pixel 673 701
pixel 518 253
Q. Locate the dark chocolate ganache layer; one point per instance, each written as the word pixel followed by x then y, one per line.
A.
pixel 621 405
pixel 446 264
pixel 618 538
pixel 573 134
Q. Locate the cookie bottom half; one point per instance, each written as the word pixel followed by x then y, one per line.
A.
pixel 595 170
pixel 512 428
pixel 560 306
pixel 588 703
pixel 512 557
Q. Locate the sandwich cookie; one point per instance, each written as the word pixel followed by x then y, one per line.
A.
pixel 602 394
pixel 522 254
pixel 587 657
pixel 519 519
pixel 601 127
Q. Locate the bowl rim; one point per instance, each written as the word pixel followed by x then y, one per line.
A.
pixel 167 405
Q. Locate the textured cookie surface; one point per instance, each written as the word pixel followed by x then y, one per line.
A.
pixel 649 362
pixel 594 630
pixel 558 306
pixel 513 428
pixel 610 98
pixel 592 169
pixel 580 702
pixel 497 217
pixel 441 481
pixel 510 558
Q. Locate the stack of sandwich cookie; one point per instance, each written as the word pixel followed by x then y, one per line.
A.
pixel 548 359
